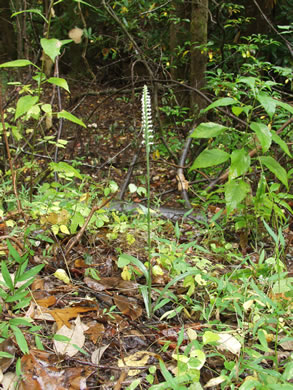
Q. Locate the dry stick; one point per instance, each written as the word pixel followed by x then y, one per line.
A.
pixel 95 208
pixel 13 175
pixel 225 175
pixel 273 28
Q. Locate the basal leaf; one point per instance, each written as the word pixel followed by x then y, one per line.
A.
pixel 275 168
pixel 263 134
pixel 208 130
pixel 209 158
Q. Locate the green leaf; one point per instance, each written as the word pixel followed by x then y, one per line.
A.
pixel 6 276
pixel 125 259
pixel 66 115
pixel 20 339
pixel 235 192
pixel 20 321
pixel 208 130
pixel 13 252
pixel 32 272
pixel 268 103
pixel 31 10
pixel 278 140
pixel 60 337
pixel 210 337
pixel 263 134
pixel 286 106
pixel 275 168
pixel 66 168
pixel 51 47
pixel 220 103
pixel 6 355
pixel 24 104
pixel 59 82
pixel 210 157
pixel 16 64
pixel 240 162
pixel 250 81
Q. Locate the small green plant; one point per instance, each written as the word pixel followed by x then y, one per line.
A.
pixel 14 291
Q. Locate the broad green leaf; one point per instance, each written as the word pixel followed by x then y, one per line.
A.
pixel 6 276
pixel 268 103
pixel 20 339
pixel 31 10
pixel 275 168
pixel 221 103
pixel 16 64
pixel 240 162
pixel 286 106
pixel 208 130
pixel 59 82
pixel 51 47
pixel 66 168
pixel 250 81
pixel 209 158
pixel 24 104
pixel 20 321
pixel 263 134
pixel 235 192
pixel 67 115
pixel 210 337
pixel 237 110
pixel 76 220
pixel 278 140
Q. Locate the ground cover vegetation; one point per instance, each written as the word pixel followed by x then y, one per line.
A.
pixel 146 194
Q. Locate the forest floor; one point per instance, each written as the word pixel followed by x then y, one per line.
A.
pixel 224 319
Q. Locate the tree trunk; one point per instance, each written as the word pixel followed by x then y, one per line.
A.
pixel 198 60
pixel 8 42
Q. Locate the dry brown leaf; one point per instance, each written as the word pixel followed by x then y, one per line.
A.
pixel 47 302
pixel 95 332
pixel 127 307
pixel 75 34
pixel 42 373
pixel 7 346
pixel 63 316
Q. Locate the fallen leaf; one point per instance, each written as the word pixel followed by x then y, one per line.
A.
pixel 138 359
pixel 75 335
pixel 95 332
pixel 42 373
pixel 9 381
pixel 62 316
pixel 98 353
pixel 127 307
pixel 229 343
pixel 5 362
